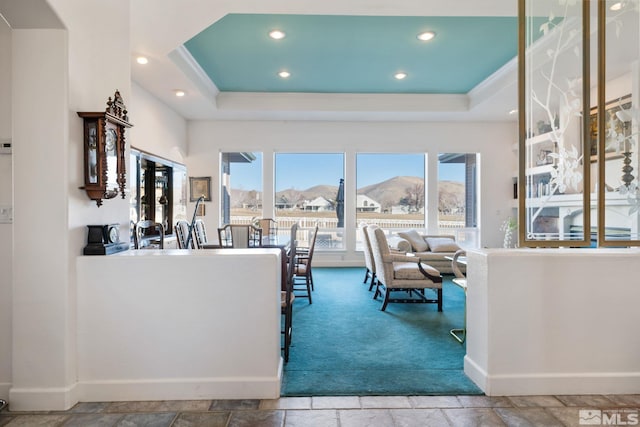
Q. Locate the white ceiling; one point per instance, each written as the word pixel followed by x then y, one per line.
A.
pixel 160 27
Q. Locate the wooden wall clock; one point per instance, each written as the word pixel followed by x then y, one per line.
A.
pixel 105 168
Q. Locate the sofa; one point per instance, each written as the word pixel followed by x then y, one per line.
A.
pixel 431 249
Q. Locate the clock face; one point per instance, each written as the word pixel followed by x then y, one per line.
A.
pixel 110 142
pixel 110 148
pixel 114 235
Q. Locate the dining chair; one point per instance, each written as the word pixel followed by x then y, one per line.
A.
pixel 269 227
pixel 303 275
pixel 182 234
pixel 148 234
pixel 286 299
pixel 294 232
pixel 200 233
pixel 240 236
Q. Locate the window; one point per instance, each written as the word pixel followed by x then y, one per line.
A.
pixel 241 187
pixel 390 190
pixel 457 196
pixel 307 191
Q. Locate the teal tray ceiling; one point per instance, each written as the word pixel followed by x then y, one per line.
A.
pixel 353 54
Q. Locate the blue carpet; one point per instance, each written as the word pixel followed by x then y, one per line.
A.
pixel 344 345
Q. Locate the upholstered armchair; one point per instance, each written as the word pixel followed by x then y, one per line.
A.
pixel 402 273
pixel 368 258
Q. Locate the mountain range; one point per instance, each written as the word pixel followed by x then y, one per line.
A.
pixel 388 193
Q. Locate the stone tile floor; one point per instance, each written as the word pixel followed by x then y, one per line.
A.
pixel 347 411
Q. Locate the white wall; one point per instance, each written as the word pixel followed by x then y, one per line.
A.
pixel 157 128
pixel 41 304
pixel 85 63
pixel 99 63
pixel 188 340
pixel 6 199
pixel 553 330
pixel 493 141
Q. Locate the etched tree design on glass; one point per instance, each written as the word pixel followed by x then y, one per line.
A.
pixel 554 113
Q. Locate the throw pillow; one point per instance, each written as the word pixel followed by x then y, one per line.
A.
pixel 402 245
pixel 442 244
pixel 417 241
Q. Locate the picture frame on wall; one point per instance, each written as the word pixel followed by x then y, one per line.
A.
pixel 613 125
pixel 200 187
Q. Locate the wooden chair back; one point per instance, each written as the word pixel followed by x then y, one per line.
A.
pixel 269 227
pixel 240 236
pixel 312 244
pixel 294 232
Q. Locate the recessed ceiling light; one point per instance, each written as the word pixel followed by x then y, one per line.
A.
pixel 616 6
pixel 400 75
pixel 142 60
pixel 426 36
pixel 512 112
pixel 179 93
pixel 277 34
pixel 284 74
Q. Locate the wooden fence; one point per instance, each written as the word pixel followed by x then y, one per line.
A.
pixel 330 236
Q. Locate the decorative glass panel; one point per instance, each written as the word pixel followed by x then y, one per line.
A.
pixel 617 148
pixel 553 170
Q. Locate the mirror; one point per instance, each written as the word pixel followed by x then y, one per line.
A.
pixel 104 147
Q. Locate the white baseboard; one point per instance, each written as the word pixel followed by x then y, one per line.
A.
pixel 4 391
pixel 179 389
pixel 42 399
pixel 552 383
pixel 477 374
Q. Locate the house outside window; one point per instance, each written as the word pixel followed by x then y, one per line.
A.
pixel 306 192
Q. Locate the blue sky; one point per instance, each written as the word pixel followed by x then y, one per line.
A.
pixel 302 171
